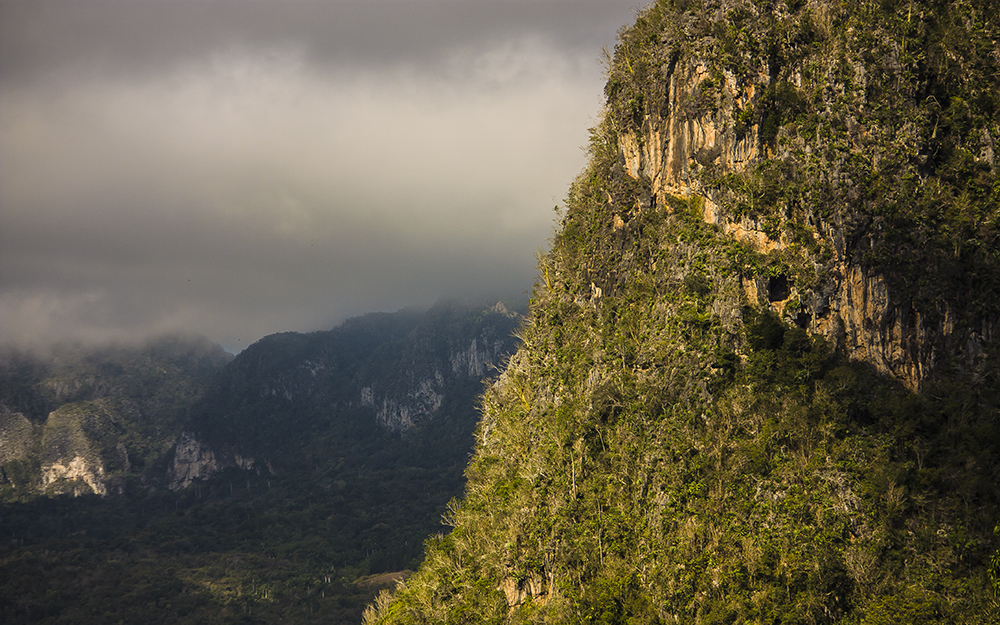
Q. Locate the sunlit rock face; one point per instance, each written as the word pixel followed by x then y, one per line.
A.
pixel 72 461
pixel 857 311
pixel 891 335
pixel 94 419
pixel 699 126
pixel 689 126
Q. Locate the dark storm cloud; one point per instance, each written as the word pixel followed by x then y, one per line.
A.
pixel 91 35
pixel 240 168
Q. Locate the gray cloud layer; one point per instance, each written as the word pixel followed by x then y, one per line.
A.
pixel 241 168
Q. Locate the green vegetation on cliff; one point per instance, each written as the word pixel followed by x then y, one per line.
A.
pixel 759 379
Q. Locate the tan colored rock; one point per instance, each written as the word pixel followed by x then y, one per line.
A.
pixel 534 587
pixel 75 470
pixel 675 143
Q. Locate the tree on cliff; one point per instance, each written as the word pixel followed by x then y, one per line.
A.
pixel 759 378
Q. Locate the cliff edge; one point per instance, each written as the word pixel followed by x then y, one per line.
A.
pixel 759 379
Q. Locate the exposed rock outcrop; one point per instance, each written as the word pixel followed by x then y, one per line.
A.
pixel 401 414
pixel 88 419
pixel 534 587
pixel 690 126
pixel 71 461
pixel 191 461
pixel 858 313
pixel 475 361
pixel 383 372
pixel 63 477
pixel 195 460
pixel 693 128
pixel 420 399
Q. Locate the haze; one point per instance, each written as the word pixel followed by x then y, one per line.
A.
pixel 240 168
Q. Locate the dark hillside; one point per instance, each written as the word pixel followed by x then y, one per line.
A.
pixel 759 381
pixel 303 478
pixel 83 420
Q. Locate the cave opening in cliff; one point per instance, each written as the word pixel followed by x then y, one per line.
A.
pixel 778 289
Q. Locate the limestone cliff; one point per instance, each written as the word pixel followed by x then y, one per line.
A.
pixel 698 133
pixel 303 480
pixel 69 461
pixel 74 450
pixel 191 461
pixel 59 478
pixel 427 382
pixel 759 380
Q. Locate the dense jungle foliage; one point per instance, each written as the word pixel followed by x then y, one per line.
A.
pixel 301 547
pixel 660 450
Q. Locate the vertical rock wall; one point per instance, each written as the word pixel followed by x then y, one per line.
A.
pixel 680 135
pixel 691 125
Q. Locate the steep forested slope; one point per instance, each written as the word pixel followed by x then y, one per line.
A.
pixel 759 378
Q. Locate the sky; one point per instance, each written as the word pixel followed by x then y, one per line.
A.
pixel 235 168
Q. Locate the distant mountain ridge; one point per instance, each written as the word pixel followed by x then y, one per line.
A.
pixel 267 484
pixel 388 372
pixel 176 410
